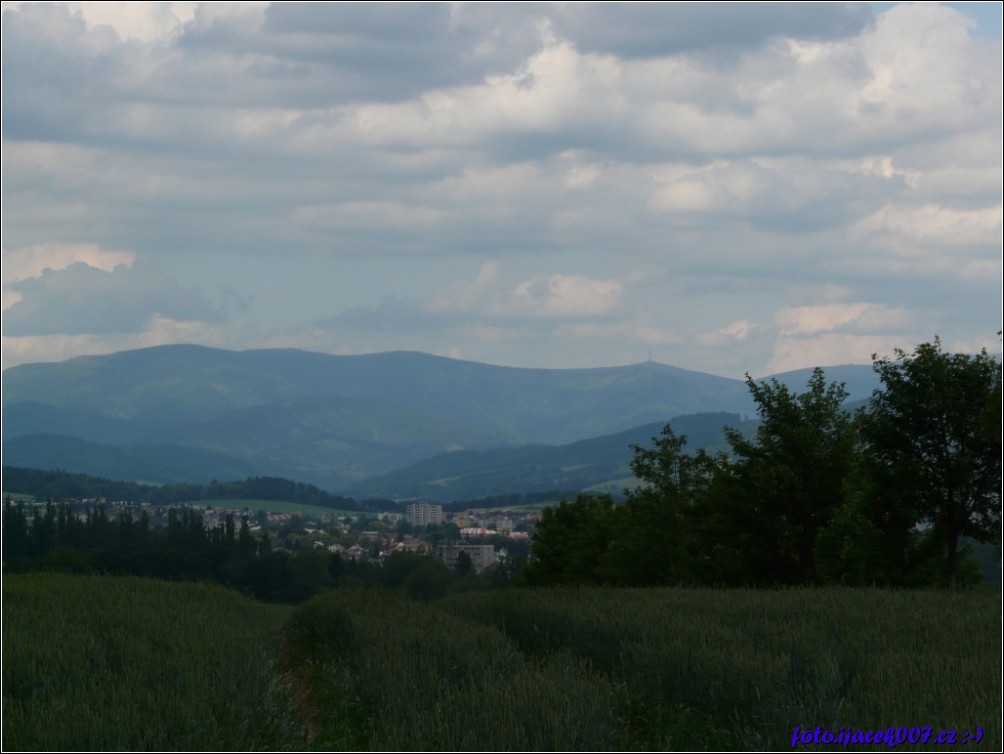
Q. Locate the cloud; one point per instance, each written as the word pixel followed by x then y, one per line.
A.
pixel 839 333
pixel 492 297
pixel 933 225
pixel 862 317
pixel 647 30
pixel 738 330
pixel 561 296
pixel 80 299
pixel 827 350
pixel 145 22
pixel 159 331
pixel 393 315
pixel 786 195
pixel 30 262
pixel 468 296
pixel 414 175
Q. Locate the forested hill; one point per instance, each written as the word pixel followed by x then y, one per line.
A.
pixel 60 485
pixel 597 463
pixel 190 414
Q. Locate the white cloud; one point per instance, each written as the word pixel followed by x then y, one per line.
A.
pixel 828 349
pixel 464 296
pixel 354 158
pixel 60 346
pixel 935 225
pixel 80 299
pixel 561 296
pixel 812 320
pixel 492 295
pixel 738 330
pixel 29 262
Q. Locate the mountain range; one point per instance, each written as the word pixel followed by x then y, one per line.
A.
pixel 392 424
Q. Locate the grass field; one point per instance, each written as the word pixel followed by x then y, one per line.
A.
pixel 120 663
pixel 606 669
pixel 99 663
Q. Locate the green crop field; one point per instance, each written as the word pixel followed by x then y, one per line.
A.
pixel 121 663
pixel 609 669
pixel 105 663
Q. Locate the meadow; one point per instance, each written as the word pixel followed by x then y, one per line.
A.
pixel 101 663
pixel 123 663
pixel 648 669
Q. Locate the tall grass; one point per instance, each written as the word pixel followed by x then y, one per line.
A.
pixel 129 664
pixel 741 669
pixel 607 669
pixel 105 663
pixel 413 677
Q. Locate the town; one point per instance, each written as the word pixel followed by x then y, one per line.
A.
pixel 478 539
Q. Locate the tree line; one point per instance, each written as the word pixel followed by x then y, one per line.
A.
pixel 85 539
pixel 58 537
pixel 882 495
pixel 61 485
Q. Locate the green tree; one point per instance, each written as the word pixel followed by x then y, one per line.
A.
pixel 247 546
pixel 651 540
pixel 464 565
pixel 264 545
pixel 430 581
pixel 398 566
pixel 15 529
pixel 781 488
pixel 933 434
pixel 230 531
pixel 570 541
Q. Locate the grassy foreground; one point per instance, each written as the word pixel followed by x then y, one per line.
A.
pixel 121 663
pixel 100 663
pixel 606 669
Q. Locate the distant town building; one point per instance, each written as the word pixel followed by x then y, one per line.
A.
pixel 476 531
pixel 423 514
pixel 502 525
pixel 482 556
pixel 411 544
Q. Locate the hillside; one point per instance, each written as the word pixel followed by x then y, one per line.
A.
pixel 190 413
pixel 605 460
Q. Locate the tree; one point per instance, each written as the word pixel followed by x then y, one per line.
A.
pixel 569 542
pixel 464 565
pixel 781 487
pixel 246 544
pixel 933 434
pixel 15 529
pixel 651 541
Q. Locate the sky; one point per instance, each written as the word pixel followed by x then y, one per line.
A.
pixel 728 188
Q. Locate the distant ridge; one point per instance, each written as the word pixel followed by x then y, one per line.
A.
pixel 599 462
pixel 325 419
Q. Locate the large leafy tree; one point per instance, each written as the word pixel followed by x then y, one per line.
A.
pixel 933 434
pixel 783 486
pixel 653 540
pixel 570 541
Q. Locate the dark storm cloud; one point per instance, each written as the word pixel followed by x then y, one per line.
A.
pixel 80 299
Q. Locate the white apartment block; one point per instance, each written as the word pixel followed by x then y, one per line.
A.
pixel 423 514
